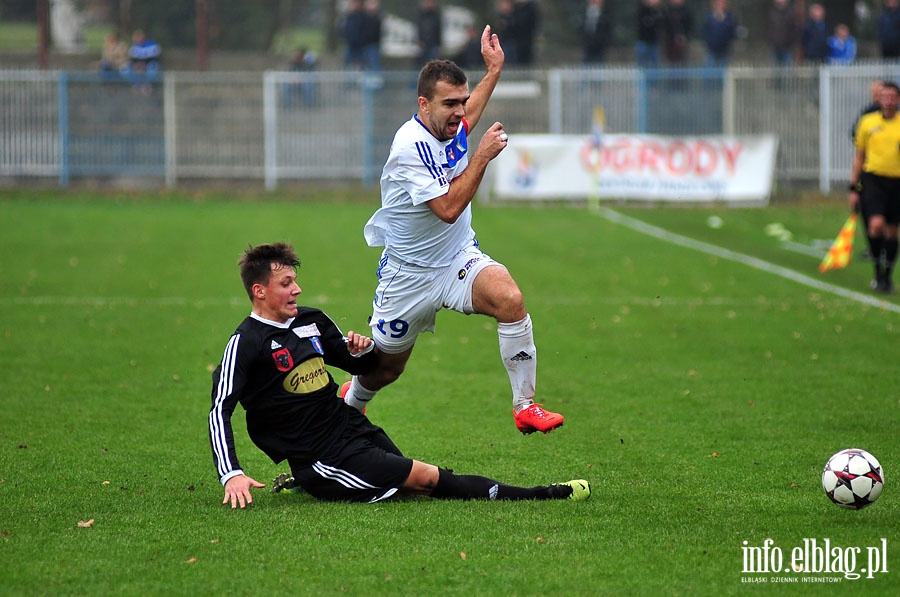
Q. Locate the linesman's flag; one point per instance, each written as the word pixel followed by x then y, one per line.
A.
pixel 838 255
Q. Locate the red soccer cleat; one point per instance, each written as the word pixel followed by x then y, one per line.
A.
pixel 342 394
pixel 534 418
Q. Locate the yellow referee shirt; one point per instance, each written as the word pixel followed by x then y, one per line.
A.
pixel 880 138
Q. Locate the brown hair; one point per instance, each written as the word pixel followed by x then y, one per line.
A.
pixel 256 263
pixel 439 70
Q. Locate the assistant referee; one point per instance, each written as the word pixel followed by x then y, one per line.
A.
pixel 875 183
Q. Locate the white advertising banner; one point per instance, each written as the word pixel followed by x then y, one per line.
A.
pixel 648 167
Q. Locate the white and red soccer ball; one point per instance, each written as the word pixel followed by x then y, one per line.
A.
pixel 853 479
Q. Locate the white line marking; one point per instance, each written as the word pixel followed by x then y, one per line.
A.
pixel 789 274
pixel 113 301
pixel 805 249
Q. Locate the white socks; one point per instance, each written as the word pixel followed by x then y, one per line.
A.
pixel 520 359
pixel 358 396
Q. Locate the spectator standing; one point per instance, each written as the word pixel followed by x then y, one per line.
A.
pixel 429 27
pixel 889 30
pixel 144 55
pixel 719 32
pixel 841 46
pixel 875 183
pixel 304 60
pixel 352 32
pixel 470 54
pixel 526 16
pixel 114 56
pixel 814 38
pixel 782 32
pixel 678 29
pixel 505 28
pixel 649 30
pixel 595 31
pixel 371 35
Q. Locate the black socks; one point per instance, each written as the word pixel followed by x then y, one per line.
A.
pixel 473 487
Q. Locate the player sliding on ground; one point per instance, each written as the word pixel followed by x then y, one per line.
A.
pixel 275 366
pixel 431 259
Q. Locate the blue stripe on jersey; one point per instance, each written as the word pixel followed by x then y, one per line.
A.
pixel 216 424
pixel 428 159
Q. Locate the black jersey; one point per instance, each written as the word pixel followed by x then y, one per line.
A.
pixel 277 372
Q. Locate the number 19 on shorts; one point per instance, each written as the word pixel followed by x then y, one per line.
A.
pixel 392 329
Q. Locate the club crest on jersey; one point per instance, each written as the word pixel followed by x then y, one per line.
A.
pixel 283 359
pixel 456 149
pixel 317 344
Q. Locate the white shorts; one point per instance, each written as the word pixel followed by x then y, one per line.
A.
pixel 409 296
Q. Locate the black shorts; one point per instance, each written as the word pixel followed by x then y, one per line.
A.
pixel 880 197
pixel 363 465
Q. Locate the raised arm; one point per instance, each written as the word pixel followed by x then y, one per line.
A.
pixel 493 56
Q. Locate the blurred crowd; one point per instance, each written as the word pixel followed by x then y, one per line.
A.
pixel 665 32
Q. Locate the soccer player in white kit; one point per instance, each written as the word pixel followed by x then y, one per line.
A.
pixel 431 259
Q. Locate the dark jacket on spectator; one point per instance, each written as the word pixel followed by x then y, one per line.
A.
pixel 889 32
pixel 815 41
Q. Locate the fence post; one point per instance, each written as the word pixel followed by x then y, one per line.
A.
pixel 642 102
pixel 370 84
pixel 270 131
pixel 824 129
pixel 728 101
pixel 170 128
pixel 554 105
pixel 63 123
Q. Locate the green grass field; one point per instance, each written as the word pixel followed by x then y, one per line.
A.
pixel 702 398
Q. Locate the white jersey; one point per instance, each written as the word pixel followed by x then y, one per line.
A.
pixel 419 169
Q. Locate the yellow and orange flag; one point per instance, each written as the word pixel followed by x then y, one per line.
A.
pixel 839 253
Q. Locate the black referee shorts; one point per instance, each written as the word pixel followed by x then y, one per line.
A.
pixel 363 465
pixel 880 197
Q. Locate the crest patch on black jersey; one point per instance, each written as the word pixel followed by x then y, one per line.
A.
pixel 283 359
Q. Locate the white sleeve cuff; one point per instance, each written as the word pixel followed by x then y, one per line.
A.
pixel 234 473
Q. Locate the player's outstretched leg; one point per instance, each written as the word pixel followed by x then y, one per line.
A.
pixel 519 356
pixel 472 487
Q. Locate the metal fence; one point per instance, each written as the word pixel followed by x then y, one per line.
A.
pixel 280 126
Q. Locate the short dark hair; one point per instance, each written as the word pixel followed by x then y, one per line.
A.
pixel 894 86
pixel 439 70
pixel 256 263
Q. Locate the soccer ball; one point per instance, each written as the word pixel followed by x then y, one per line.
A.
pixel 853 479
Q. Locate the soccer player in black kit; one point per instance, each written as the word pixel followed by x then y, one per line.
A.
pixel 275 366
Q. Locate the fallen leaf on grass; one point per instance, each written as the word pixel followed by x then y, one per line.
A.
pixel 191 560
pixel 462 554
pixel 86 524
